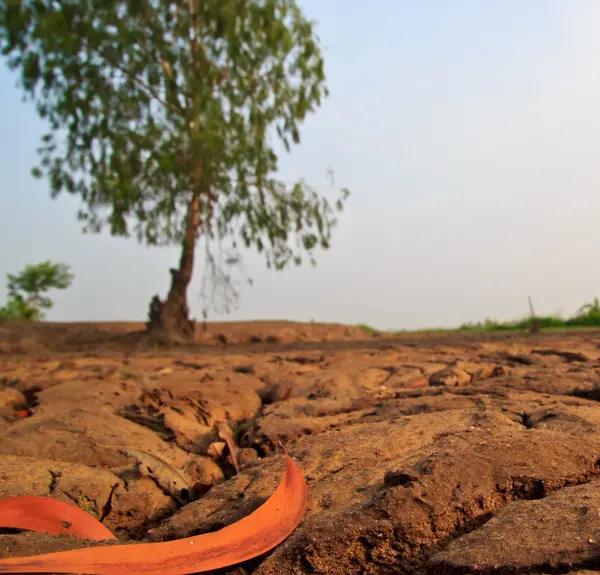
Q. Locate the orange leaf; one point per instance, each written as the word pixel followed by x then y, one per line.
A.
pixel 51 516
pixel 249 537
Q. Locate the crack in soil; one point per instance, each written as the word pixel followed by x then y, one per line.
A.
pixel 54 478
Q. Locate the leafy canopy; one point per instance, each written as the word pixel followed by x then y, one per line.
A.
pixel 151 102
pixel 25 290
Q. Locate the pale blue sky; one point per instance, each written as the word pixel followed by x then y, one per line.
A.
pixel 469 134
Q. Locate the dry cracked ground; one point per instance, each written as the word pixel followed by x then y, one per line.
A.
pixel 443 454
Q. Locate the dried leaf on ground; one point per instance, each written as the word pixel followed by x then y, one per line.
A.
pixel 49 515
pixel 249 537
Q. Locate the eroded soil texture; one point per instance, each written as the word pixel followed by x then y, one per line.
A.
pixel 440 454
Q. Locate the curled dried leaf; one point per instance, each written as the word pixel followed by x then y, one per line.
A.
pixel 50 515
pixel 249 537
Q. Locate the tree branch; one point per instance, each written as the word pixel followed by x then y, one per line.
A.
pixel 151 91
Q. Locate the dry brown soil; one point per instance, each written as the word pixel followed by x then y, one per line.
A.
pixel 423 454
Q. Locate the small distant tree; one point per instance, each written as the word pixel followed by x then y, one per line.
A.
pixel 164 118
pixel 590 308
pixel 26 299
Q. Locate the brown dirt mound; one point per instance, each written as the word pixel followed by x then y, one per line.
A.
pixel 42 338
pixel 437 454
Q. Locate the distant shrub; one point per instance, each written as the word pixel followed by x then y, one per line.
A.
pixel 588 315
pixel 26 299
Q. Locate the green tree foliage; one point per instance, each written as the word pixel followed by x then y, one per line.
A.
pixel 164 121
pixel 26 299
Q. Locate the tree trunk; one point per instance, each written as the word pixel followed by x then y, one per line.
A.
pixel 169 321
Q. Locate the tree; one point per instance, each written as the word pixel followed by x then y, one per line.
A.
pixel 590 308
pixel 164 120
pixel 25 290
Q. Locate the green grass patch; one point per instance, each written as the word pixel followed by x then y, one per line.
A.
pixel 588 316
pixel 367 328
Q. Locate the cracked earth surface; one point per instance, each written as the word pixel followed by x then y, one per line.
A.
pixel 443 454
